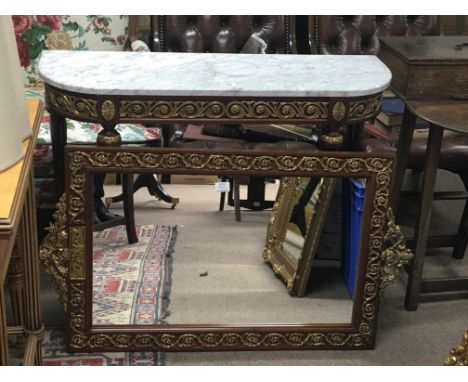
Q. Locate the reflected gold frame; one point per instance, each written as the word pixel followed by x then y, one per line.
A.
pixel 83 336
pixel 295 275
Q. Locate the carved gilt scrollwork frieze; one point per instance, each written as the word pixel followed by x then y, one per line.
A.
pixel 78 106
pixel 226 340
pixel 362 109
pixel 317 111
pixel 71 105
pixel 202 161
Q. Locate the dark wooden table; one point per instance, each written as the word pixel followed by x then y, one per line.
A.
pixel 441 114
pixel 430 74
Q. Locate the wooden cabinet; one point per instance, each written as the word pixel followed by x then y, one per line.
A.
pixel 427 67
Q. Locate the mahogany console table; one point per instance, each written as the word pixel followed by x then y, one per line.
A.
pixel 119 87
pixel 110 88
pixel 19 260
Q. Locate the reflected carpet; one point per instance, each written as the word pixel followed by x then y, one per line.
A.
pixel 131 286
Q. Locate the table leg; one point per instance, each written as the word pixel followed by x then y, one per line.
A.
pixel 58 131
pixel 353 137
pixel 3 328
pixel 28 249
pixel 462 234
pixel 129 210
pixel 403 149
pixel 222 197
pixel 431 163
pixel 236 192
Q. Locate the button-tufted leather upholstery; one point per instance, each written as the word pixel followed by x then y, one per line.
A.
pixel 220 34
pixel 360 34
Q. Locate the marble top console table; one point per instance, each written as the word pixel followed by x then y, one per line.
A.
pixel 113 87
pixel 198 75
pixel 118 87
pixel 110 88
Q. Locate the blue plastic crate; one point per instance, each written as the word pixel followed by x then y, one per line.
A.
pixel 354 191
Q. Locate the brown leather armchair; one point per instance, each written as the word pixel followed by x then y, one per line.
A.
pixel 360 35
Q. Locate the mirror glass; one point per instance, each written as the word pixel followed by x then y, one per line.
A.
pixel 195 264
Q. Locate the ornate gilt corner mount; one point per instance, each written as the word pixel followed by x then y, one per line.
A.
pixel 53 252
pixel 459 355
pixel 395 254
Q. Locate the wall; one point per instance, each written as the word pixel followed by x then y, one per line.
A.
pixel 37 33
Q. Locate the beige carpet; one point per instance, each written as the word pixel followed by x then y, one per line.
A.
pixel 219 275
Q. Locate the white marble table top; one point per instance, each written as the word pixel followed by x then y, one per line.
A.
pixel 205 74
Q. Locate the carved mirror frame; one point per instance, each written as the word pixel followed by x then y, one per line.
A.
pixel 295 274
pixel 68 249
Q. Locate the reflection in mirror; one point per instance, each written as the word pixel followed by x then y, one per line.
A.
pixel 315 220
pixel 198 265
pixel 305 199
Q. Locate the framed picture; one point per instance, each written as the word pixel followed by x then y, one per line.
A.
pixel 294 229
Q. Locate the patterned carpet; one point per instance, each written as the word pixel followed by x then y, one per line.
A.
pixel 131 285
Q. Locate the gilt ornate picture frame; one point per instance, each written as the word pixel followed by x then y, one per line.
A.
pixel 74 262
pixel 291 259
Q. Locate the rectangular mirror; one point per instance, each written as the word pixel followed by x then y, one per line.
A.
pixel 196 264
pixel 198 280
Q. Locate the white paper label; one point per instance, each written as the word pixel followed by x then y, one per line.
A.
pixel 222 186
